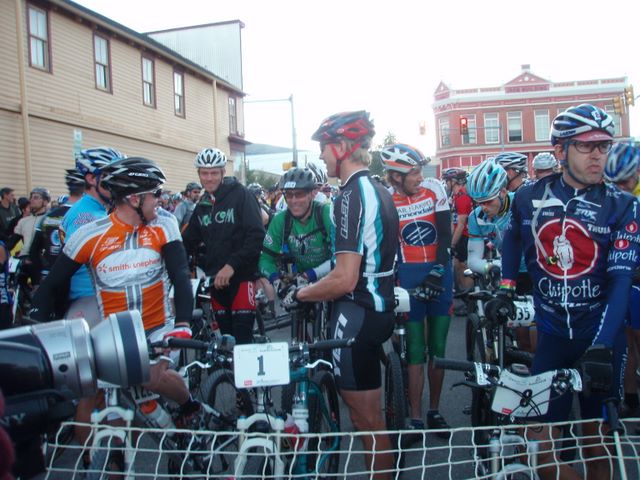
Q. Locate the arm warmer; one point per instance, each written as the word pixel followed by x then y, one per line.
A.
pixel 175 260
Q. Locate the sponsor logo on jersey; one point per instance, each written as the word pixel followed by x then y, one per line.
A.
pixel 419 233
pixel 596 229
pixel 558 290
pixel 225 216
pixel 586 214
pixel 125 268
pixel 632 227
pixel 568 251
pixel 618 255
pixel 621 244
pixel 344 214
pixel 422 208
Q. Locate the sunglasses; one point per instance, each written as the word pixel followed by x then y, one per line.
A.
pixel 289 194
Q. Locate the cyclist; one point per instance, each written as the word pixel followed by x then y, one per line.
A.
pixel 425 237
pixel 301 232
pixel 580 241
pixel 461 206
pixel 515 164
pixel 185 208
pixel 8 212
pixel 227 220
pixel 39 199
pixel 6 317
pixel 132 255
pixel 544 164
pixel 361 283
pixel 258 193
pixel 91 206
pixel 622 170
pixel 321 182
pixel 46 245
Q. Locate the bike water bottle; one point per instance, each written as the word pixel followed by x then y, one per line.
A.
pixel 157 414
pixel 301 419
pixel 291 428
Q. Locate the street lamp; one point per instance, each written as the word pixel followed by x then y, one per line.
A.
pixel 293 123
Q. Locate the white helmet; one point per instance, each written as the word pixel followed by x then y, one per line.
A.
pixel 210 158
pixel 544 161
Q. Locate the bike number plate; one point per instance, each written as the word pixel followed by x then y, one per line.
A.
pixel 532 399
pixel 524 314
pixel 261 364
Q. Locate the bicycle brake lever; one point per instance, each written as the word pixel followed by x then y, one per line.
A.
pixel 466 383
pixel 318 362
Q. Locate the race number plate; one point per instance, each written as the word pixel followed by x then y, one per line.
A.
pixel 524 314
pixel 261 364
pixel 533 399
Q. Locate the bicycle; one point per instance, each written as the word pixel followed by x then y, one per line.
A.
pixel 264 448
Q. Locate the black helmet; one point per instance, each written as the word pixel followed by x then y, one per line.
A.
pixel 74 179
pixel 131 175
pixel 298 178
pixel 255 188
pixel 192 186
pixel 43 192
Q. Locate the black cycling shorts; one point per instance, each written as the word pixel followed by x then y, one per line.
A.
pixel 358 367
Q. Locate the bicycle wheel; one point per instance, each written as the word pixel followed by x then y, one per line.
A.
pixel 259 465
pixel 395 407
pixel 108 460
pixel 219 392
pixel 324 417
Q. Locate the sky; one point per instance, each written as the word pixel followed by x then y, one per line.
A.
pixel 388 57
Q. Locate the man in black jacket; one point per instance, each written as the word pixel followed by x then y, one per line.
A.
pixel 227 220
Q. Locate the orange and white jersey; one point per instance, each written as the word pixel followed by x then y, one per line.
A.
pixel 418 236
pixel 126 265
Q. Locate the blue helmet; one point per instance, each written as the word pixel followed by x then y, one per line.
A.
pixel 486 180
pixel 516 161
pixel 91 160
pixel 582 119
pixel 622 163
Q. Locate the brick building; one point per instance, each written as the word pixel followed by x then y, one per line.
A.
pixel 513 117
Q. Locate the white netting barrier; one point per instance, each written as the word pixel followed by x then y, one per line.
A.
pixel 467 453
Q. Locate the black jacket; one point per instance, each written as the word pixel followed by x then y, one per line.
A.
pixel 230 226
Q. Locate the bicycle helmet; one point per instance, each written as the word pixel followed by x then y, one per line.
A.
pixel 355 126
pixel 62 199
pixel 544 161
pixel 210 158
pixel 321 176
pixel 255 188
pixel 486 180
pixel 457 174
pixel 513 160
pixel 91 160
pixel 589 122
pixel 192 186
pixel 402 158
pixel 132 175
pixel 43 192
pixel 622 163
pixel 298 178
pixel 74 179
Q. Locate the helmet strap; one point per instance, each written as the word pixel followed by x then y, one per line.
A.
pixel 340 158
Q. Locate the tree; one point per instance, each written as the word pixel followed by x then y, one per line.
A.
pixel 377 167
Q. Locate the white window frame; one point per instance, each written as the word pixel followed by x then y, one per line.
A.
pixel 233 115
pixel 472 138
pixel 102 62
pixel 39 44
pixel 515 117
pixel 178 94
pixel 148 66
pixel 444 129
pixel 491 128
pixel 542 125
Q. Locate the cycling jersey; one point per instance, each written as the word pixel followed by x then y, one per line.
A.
pixel 84 211
pixel 581 247
pixel 308 243
pixel 131 268
pixel 46 245
pixel 419 232
pixel 461 204
pixel 366 223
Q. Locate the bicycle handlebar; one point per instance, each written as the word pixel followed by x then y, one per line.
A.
pixel 323 345
pixel 465 366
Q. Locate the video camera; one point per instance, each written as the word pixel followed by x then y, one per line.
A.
pixel 44 367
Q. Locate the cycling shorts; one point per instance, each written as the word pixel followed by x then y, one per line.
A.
pixel 235 310
pixel 358 367
pixel 410 275
pixel 555 352
pixel 460 250
pixel 633 312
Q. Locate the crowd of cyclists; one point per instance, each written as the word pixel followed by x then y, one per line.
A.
pixel 568 237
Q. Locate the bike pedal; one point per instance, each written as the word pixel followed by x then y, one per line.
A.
pixel 466 410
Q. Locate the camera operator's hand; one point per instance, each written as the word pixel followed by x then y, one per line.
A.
pixel 596 369
pixel 501 307
pixel 290 300
pixel 431 286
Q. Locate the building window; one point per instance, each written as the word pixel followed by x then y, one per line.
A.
pixel 444 132
pixel 148 82
pixel 39 38
pixel 617 120
pixel 233 116
pixel 471 126
pixel 178 93
pixel 101 59
pixel 491 128
pixel 542 125
pixel 514 121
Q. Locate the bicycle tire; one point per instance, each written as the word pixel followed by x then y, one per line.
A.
pixel 219 392
pixel 259 328
pixel 324 417
pixel 107 461
pixel 258 465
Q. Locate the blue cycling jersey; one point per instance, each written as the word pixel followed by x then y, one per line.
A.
pixel 84 211
pixel 483 228
pixel 581 247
